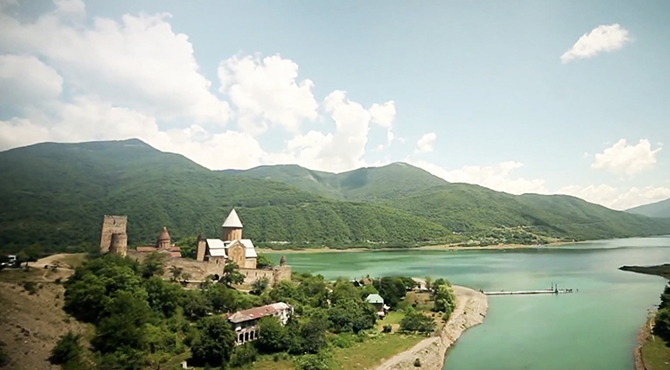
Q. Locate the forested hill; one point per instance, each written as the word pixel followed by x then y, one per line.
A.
pixel 364 184
pixel 465 208
pixel 658 209
pixel 56 194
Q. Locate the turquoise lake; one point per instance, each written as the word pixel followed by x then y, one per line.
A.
pixel 594 328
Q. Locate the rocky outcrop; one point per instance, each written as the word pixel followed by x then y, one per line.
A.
pixel 471 307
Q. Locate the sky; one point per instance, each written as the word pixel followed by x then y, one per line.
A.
pixel 551 97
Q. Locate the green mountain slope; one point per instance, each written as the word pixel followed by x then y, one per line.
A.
pixel 658 209
pixel 364 184
pixel 56 194
pixel 465 208
pixel 477 210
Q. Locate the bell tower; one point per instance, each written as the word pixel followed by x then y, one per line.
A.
pixel 232 227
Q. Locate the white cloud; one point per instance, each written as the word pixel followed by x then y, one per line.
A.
pixel 383 114
pixel 70 7
pixel 138 62
pixel 425 143
pixel 623 158
pixel 498 177
pixel 617 198
pixel 604 38
pixel 266 90
pixel 24 79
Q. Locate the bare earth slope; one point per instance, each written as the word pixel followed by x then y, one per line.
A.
pixel 471 307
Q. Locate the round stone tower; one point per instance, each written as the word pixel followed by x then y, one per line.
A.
pixel 232 227
pixel 119 244
pixel 164 239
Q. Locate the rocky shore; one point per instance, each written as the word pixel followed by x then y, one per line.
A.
pixel 471 307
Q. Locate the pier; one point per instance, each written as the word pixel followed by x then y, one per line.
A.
pixel 553 290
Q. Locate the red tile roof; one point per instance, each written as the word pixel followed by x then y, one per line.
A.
pixel 257 312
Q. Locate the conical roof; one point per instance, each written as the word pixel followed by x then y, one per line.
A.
pixel 164 234
pixel 232 220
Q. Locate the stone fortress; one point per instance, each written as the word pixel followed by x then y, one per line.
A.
pixel 114 238
pixel 211 254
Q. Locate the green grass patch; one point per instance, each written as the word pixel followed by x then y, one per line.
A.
pixel 656 354
pixel 373 351
pixel 391 318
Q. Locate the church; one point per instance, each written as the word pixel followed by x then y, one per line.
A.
pixel 215 253
pixel 231 246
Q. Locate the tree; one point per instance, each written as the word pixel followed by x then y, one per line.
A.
pixel 67 350
pixel 188 246
pixel 215 343
pixel 222 298
pixel 417 322
pixel 124 326
pixel 260 285
pixel 313 333
pixel 662 324
pixel 444 299
pixel 272 335
pixel 162 296
pixel 196 304
pixel 262 261
pixel 153 265
pixel 392 289
pixel 231 274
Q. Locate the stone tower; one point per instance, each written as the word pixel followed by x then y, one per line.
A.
pixel 164 239
pixel 201 247
pixel 119 244
pixel 111 226
pixel 232 227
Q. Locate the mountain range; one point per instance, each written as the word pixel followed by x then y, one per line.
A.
pixel 56 194
pixel 658 209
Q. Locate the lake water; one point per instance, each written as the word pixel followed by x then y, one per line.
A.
pixel 593 329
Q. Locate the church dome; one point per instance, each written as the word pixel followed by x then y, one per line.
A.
pixel 232 221
pixel 164 234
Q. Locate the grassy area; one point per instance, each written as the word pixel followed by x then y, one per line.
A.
pixel 391 318
pixel 361 355
pixel 371 352
pixel 656 354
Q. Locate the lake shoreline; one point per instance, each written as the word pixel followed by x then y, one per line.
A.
pixel 443 247
pixel 471 308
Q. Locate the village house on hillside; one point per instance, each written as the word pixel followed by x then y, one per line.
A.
pixel 245 323
pixel 378 302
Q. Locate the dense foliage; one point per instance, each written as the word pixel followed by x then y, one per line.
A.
pixel 143 321
pixel 662 322
pixel 58 194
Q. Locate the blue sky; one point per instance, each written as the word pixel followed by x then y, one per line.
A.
pixel 475 93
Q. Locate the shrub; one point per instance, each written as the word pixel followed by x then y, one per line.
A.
pixel 243 355
pixel 342 341
pixel 317 361
pixel 67 350
pixel 417 322
pixel 387 328
pixel 417 362
pixel 29 286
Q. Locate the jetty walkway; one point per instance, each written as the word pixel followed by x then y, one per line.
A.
pixel 552 290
